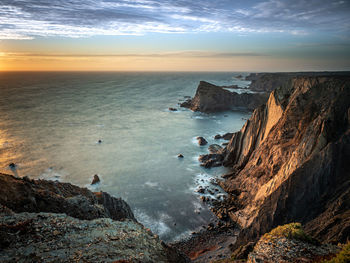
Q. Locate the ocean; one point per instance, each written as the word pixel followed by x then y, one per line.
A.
pixel 51 122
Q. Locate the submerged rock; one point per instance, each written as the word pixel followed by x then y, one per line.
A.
pixel 180 155
pixel 172 109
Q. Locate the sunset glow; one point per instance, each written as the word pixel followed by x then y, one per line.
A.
pixel 125 35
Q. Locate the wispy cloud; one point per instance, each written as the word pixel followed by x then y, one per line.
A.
pixel 26 19
pixel 189 53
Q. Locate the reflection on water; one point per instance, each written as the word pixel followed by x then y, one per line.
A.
pixel 51 123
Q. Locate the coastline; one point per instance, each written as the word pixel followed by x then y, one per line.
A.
pixel 316 152
pixel 286 85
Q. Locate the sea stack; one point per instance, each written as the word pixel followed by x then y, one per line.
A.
pixel 95 180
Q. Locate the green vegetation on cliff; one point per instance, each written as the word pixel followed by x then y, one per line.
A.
pixel 342 257
pixel 290 231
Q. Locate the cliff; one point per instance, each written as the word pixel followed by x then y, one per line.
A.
pixel 212 98
pixel 267 82
pixel 45 221
pixel 290 160
pixel 26 195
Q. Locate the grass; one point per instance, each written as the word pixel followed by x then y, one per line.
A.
pixel 342 257
pixel 291 231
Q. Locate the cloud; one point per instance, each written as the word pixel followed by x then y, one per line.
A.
pixel 26 19
pixel 189 53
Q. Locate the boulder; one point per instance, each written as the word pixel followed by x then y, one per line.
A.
pixel 202 141
pixel 217 137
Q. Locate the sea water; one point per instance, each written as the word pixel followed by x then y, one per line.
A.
pixel 50 125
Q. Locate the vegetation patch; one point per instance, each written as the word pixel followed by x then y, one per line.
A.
pixel 342 257
pixel 291 231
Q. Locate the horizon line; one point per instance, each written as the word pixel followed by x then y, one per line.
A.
pixel 166 71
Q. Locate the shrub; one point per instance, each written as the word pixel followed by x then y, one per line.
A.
pixel 342 257
pixel 290 231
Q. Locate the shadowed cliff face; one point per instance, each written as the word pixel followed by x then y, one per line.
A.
pixel 290 160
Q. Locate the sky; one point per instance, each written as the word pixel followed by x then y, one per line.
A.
pixel 169 35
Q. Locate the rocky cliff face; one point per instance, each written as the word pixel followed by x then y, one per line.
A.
pixel 290 160
pixel 45 221
pixel 212 98
pixel 49 237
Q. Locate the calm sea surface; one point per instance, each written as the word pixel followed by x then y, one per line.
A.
pixel 50 124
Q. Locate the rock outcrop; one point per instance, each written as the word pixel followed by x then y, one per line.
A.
pixel 212 98
pixel 201 141
pixel 211 159
pixel 48 237
pixel 45 221
pixel 290 160
pixel 294 246
pixel 26 195
pixel 95 179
